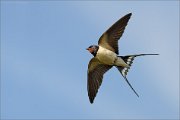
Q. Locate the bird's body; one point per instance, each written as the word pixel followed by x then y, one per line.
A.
pixel 106 56
pixel 109 57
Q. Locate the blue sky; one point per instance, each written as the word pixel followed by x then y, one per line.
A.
pixel 44 61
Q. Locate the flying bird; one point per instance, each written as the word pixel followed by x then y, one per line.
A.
pixel 106 56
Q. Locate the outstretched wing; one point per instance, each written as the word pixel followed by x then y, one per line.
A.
pixel 109 39
pixel 96 71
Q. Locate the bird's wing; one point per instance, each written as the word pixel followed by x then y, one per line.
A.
pixel 96 71
pixel 110 38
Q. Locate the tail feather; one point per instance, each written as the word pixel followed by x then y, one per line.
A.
pixel 124 70
pixel 128 59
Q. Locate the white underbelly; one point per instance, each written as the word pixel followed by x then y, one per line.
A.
pixel 106 56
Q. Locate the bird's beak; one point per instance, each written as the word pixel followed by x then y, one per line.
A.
pixel 87 48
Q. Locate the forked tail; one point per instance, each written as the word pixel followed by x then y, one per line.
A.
pixel 124 70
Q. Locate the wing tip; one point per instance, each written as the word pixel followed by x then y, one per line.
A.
pixel 91 100
pixel 129 14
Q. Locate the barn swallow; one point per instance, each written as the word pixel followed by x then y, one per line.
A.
pixel 106 56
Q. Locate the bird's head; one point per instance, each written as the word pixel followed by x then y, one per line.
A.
pixel 93 49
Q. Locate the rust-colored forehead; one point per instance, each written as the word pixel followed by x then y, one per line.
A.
pixel 90 49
